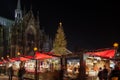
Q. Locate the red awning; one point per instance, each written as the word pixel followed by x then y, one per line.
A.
pixel 23 59
pixel 11 60
pixel 19 59
pixel 29 57
pixel 106 53
pixel 39 55
pixel 1 62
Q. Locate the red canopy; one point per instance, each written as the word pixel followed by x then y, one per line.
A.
pixel 106 53
pixel 19 59
pixel 12 60
pixel 1 62
pixel 39 55
pixel 29 57
pixel 4 61
pixel 23 59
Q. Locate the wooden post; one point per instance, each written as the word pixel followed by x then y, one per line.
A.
pixel 82 69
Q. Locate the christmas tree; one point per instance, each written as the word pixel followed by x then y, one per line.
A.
pixel 60 42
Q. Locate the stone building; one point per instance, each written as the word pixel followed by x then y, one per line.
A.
pixel 22 34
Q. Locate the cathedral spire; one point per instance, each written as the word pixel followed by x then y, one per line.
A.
pixel 31 9
pixel 24 11
pixel 18 12
pixel 38 20
pixel 38 16
pixel 18 5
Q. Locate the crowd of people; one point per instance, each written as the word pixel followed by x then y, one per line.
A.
pixel 113 74
pixel 21 72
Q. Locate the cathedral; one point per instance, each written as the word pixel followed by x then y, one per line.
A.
pixel 22 34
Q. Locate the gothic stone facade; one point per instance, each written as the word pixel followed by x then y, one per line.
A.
pixel 25 34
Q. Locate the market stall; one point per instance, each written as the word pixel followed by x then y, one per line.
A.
pixel 97 59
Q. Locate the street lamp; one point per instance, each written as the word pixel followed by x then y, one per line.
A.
pixel 18 53
pixel 35 49
pixel 36 76
pixel 115 45
pixel 7 56
pixel 2 58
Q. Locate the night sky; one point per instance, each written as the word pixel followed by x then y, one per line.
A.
pixel 87 24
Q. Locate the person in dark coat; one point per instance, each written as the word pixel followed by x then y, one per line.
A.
pixel 105 73
pixel 21 73
pixel 100 74
pixel 115 73
pixel 10 72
